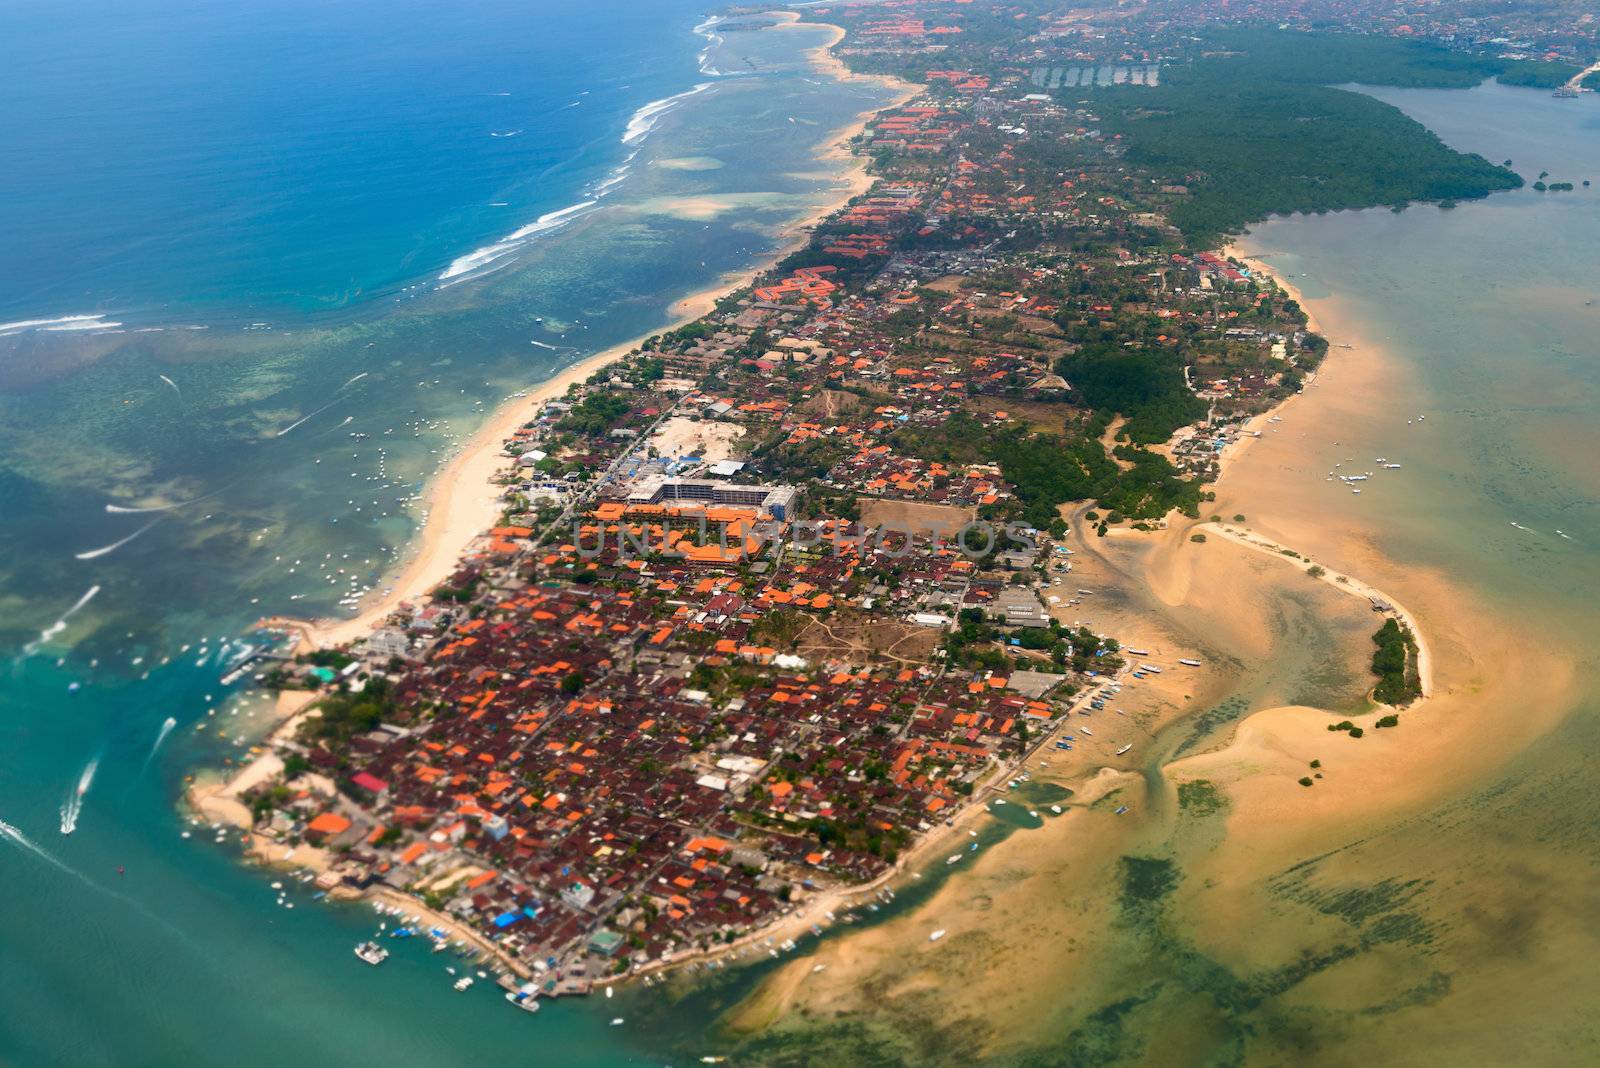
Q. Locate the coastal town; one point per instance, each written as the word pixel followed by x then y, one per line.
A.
pixel 787 590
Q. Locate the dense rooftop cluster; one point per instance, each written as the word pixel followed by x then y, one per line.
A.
pixel 785 588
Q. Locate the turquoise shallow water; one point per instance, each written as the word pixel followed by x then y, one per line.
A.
pixel 1493 310
pixel 318 188
pixel 185 957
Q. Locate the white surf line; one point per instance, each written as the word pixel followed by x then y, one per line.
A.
pixel 476 263
pixel 73 805
pixel 57 325
pixel 94 554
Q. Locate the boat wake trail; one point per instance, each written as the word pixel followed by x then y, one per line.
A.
pixel 28 845
pixel 167 726
pixel 355 379
pixel 73 805
pixel 61 624
pixel 22 841
pixel 93 554
pixel 174 386
pixel 305 418
pixel 117 509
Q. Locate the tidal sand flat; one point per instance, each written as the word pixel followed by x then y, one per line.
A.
pixel 1433 866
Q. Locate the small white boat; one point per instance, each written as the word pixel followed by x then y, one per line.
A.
pixel 1086 730
pixel 462 983
pixel 523 1000
pixel 1189 663
pixel 1124 749
pixel 935 936
pixel 372 953
pixel 954 858
pixel 616 1021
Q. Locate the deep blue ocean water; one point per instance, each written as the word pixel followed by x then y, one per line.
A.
pixel 318 187
pixel 264 265
pixel 164 159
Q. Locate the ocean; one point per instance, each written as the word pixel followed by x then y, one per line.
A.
pixel 266 266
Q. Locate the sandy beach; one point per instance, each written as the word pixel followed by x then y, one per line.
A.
pixel 1044 901
pixel 855 180
pixel 463 500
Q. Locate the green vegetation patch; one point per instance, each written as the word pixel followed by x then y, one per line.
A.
pixel 1200 797
pixel 1259 131
pixel 1146 880
pixel 1395 664
pixel 1145 385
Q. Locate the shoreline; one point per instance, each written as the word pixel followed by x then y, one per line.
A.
pixel 462 500
pixel 1347 584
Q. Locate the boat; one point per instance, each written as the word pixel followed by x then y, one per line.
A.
pixel 523 1000
pixel 1190 663
pixel 1087 731
pixel 462 983
pixel 955 858
pixel 372 953
pixel 616 1021
pixel 936 935
pixel 1056 809
pixel 1124 749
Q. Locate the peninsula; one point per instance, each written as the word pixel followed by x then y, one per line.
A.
pixel 775 598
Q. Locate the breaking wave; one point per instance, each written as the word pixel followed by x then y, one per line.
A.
pixel 58 325
pixel 490 255
pixel 645 119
